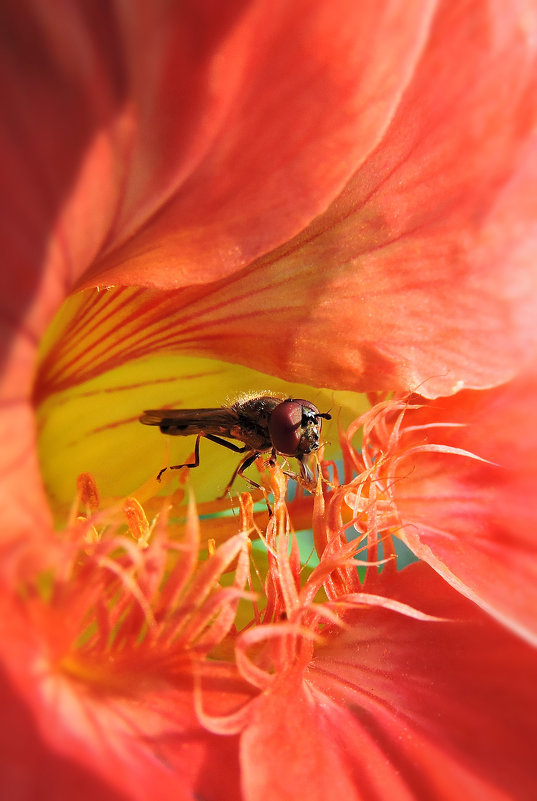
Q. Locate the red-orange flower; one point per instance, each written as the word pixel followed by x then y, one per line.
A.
pixel 134 669
pixel 316 199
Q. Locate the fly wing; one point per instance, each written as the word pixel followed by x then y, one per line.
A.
pixel 184 422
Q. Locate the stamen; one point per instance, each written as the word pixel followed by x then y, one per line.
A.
pixel 137 521
pixel 88 492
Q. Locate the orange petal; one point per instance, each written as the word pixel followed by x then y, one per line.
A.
pixel 474 521
pixel 227 130
pixel 391 707
pixel 24 509
pixel 74 705
pixel 290 103
pixel 423 270
pixel 60 740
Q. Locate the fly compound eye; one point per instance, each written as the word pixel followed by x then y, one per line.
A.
pixel 285 427
pixel 294 427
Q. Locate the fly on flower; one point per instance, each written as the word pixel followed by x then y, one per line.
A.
pixel 290 427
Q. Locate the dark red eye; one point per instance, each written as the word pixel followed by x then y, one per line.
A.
pixel 287 425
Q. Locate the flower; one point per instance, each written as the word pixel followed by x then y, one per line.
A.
pixel 259 195
pixel 145 667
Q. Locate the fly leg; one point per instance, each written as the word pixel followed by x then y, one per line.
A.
pixel 239 471
pixel 195 463
pixel 249 459
pixel 306 478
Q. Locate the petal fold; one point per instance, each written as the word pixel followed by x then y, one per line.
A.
pixel 423 268
pixel 474 521
pixel 401 708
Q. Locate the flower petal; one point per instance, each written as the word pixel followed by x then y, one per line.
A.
pixel 127 747
pixel 474 521
pixel 400 708
pixel 168 112
pixel 126 723
pixel 24 510
pixel 30 770
pixel 284 94
pixel 423 269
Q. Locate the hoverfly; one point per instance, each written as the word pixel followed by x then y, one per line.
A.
pixel 290 427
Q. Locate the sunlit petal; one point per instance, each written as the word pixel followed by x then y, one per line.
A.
pixel 472 519
pixel 423 265
pixel 401 709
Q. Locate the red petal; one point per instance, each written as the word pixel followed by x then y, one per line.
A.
pixel 402 709
pixel 138 740
pixel 128 750
pixel 225 120
pixel 285 93
pixel 23 506
pixel 414 269
pixel 472 521
pixel 423 270
pixel 29 770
